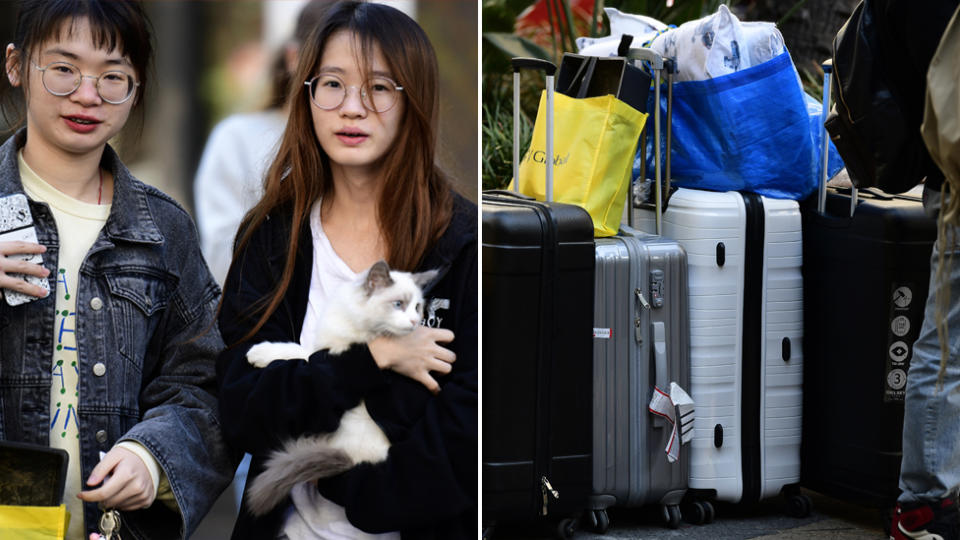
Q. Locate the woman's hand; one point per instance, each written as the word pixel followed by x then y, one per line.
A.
pixel 17 266
pixel 128 485
pixel 415 354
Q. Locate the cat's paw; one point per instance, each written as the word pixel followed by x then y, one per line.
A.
pixel 262 354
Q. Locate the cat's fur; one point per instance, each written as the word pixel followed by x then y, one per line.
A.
pixel 381 302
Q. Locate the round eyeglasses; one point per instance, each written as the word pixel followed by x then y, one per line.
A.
pixel 63 79
pixel 327 91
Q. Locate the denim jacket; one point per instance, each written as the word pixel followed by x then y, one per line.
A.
pixel 145 310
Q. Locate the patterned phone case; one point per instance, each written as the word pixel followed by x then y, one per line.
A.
pixel 16 223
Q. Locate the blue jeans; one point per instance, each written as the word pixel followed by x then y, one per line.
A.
pixel 930 469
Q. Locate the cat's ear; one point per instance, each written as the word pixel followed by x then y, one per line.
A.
pixel 423 278
pixel 378 277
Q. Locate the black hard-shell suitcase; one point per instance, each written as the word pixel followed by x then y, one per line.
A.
pixel 866 271
pixel 538 273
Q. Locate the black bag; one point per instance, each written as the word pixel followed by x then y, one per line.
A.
pixel 589 76
pixel 32 475
pixel 880 59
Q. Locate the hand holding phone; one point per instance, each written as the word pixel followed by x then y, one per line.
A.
pixel 22 275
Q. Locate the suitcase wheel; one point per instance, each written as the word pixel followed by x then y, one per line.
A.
pixel 799 505
pixel 600 521
pixel 711 512
pixel 671 515
pixel 566 528
pixel 699 512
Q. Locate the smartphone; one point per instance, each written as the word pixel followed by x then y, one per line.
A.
pixel 16 224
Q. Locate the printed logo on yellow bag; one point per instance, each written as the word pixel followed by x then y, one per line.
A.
pixel 540 156
pixel 595 140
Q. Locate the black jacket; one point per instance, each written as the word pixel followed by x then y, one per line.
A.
pixel 427 487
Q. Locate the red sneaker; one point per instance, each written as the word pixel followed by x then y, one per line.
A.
pixel 921 521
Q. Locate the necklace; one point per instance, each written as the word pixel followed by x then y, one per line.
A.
pixel 100 188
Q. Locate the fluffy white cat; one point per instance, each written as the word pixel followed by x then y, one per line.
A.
pixel 381 302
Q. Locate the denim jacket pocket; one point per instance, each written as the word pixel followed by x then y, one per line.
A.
pixel 138 300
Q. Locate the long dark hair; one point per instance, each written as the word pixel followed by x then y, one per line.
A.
pixel 418 204
pixel 114 24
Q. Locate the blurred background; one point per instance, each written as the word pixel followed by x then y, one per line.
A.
pixel 214 58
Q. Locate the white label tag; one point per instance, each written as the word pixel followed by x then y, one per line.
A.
pixel 603 333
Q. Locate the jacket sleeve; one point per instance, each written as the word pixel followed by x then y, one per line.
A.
pixel 263 408
pixel 430 475
pixel 180 425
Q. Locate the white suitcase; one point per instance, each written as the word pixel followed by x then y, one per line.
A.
pixel 744 254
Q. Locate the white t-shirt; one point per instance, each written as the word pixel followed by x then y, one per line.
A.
pixel 312 516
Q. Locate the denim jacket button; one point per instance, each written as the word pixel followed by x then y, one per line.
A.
pixel 99 369
pixel 101 436
pixel 96 303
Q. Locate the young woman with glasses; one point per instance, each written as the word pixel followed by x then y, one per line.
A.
pixel 355 182
pixel 114 364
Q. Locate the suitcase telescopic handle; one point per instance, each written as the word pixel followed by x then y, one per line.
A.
pixel 657 64
pixel 521 63
pixel 549 69
pixel 825 145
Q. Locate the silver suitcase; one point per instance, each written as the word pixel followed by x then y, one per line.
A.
pixel 641 341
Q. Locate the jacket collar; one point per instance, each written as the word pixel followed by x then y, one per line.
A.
pixel 130 218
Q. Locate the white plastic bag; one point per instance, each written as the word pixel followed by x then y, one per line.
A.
pixel 641 27
pixel 718 45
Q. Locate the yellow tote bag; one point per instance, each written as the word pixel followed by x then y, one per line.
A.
pixel 34 522
pixel 595 140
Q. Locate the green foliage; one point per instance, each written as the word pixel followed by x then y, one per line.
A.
pixel 497 159
pixel 512 46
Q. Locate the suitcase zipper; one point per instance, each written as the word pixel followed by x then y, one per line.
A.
pixel 637 324
pixel 643 301
pixel 546 489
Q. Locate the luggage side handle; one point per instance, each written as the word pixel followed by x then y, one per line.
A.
pixel 659 333
pixel 549 69
pixel 659 351
pixel 508 193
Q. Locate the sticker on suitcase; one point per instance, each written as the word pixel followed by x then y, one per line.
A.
pixel 906 313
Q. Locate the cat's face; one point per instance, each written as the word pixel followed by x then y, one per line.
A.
pixel 394 299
